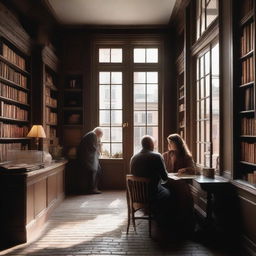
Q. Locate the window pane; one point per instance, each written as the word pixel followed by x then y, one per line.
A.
pixel 116 55
pixel 207 86
pixel 201 67
pixel 152 96
pixel 117 150
pixel 139 97
pixel 202 131
pixel 139 55
pixel 105 150
pixel 104 78
pixel 202 109
pixel 152 117
pixel 106 134
pixel 104 55
pixel 215 60
pixel 116 117
pixel 104 96
pixel 104 118
pixel 116 134
pixel 138 133
pixel 139 77
pixel 152 55
pixel 211 12
pixel 207 63
pixel 153 131
pixel 207 131
pixel 116 96
pixel 116 77
pixel 152 77
pixel 207 108
pixel 202 95
pixel 139 118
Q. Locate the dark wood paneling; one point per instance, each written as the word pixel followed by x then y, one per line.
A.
pixel 40 196
pixel 51 188
pixel 30 203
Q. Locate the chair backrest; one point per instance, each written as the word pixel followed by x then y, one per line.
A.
pixel 138 190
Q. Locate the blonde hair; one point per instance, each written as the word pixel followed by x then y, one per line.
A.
pixel 180 143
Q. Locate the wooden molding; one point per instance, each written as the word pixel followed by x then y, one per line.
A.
pixel 12 30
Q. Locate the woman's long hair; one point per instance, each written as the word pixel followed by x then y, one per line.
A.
pixel 180 143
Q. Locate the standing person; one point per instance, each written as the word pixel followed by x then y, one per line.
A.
pixel 150 165
pixel 88 158
pixel 178 157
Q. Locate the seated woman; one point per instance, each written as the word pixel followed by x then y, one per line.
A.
pixel 178 158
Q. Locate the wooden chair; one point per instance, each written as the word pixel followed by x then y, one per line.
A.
pixel 137 191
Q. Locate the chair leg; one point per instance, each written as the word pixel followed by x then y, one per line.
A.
pixel 129 218
pixel 133 220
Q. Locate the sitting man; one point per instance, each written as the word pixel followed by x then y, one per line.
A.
pixel 151 165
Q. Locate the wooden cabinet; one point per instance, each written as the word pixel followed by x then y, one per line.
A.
pixel 15 87
pixel 27 200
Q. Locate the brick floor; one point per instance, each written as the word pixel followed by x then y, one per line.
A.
pixel 96 225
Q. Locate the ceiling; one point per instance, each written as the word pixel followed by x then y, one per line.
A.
pixel 112 12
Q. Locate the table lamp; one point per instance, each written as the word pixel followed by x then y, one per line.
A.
pixel 37 131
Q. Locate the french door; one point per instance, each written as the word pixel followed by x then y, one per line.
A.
pixel 128 82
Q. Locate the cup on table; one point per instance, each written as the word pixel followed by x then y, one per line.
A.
pixel 209 172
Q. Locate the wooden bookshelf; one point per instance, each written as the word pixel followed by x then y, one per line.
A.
pixel 181 96
pixel 246 90
pixel 72 113
pixel 50 98
pixel 14 97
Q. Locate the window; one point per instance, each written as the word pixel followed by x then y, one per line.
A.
pixel 110 113
pixel 207 12
pixel 128 97
pixel 145 105
pixel 208 107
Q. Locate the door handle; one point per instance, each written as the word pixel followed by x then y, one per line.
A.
pixel 125 124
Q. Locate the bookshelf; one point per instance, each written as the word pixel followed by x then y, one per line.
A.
pixel 72 114
pixel 50 98
pixel 181 96
pixel 246 168
pixel 14 98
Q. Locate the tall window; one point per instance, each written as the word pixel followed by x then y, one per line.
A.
pixel 208 107
pixel 128 97
pixel 207 12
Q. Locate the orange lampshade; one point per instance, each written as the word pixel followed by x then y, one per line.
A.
pixel 37 131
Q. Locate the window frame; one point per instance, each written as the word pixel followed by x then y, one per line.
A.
pixel 197 56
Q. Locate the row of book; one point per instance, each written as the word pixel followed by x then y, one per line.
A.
pixel 248 126
pixel 252 177
pixel 181 93
pixel 48 99
pixel 50 132
pixel 13 94
pixel 248 152
pixel 181 107
pixel 247 39
pixel 12 111
pixel 48 78
pixel 245 7
pixel 50 117
pixel 12 131
pixel 247 71
pixel 12 75
pixel 4 148
pixel 13 57
pixel 248 103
